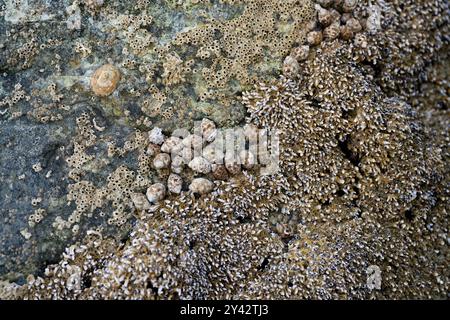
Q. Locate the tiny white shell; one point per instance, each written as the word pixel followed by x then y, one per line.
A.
pixel 156 136
pixel 174 183
pixel 156 192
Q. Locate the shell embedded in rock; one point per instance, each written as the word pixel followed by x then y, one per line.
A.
pixel 156 136
pixel 201 186
pixel 200 165
pixel 208 129
pixel 156 192
pixel 104 80
pixel 174 183
pixel 161 161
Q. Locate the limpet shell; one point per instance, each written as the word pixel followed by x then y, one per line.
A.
pixel 104 80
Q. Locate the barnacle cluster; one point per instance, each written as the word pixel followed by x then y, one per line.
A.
pixel 153 208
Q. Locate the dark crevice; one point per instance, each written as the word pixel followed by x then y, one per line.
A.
pixel 409 215
pixel 244 219
pixel 263 265
pixel 150 286
pixel 353 157
pixel 86 281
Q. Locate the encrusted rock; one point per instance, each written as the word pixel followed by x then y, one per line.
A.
pixel 161 161
pixel 373 23
pixel 201 186
pixel 210 154
pixel 156 192
pixel 178 161
pixel 174 183
pixel 251 133
pixel 105 79
pixel 325 3
pixel 193 141
pixel 187 154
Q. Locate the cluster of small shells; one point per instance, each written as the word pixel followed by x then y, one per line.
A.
pixel 198 152
pixel 334 20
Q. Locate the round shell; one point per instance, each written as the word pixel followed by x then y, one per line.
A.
pixel 354 25
pixel 156 136
pixel 349 5
pixel 314 38
pixel 104 80
pixel 201 186
pixel 156 192
pixel 161 161
pixel 200 165
pixel 174 183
